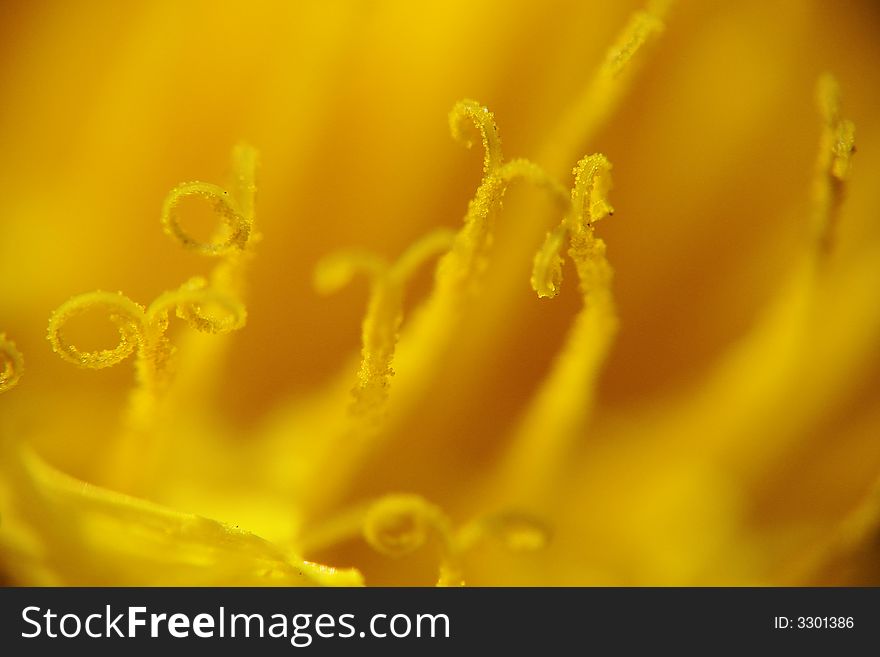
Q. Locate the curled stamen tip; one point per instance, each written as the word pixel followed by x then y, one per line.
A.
pixel 465 115
pixel 236 227
pixel 204 308
pixel 547 268
pixel 11 364
pixel 468 115
pixel 125 314
pixel 549 286
pixel 591 186
pixel 399 524
pixel 232 315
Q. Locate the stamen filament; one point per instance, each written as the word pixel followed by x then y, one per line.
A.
pixel 836 146
pixel 384 310
pixel 601 97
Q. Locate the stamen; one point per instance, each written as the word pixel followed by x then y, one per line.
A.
pixel 190 300
pixel 589 198
pixel 138 328
pixel 603 94
pixel 469 115
pixel 547 268
pixel 125 314
pixel 564 401
pixel 642 26
pixel 142 331
pixel 384 311
pixel 457 280
pixel 236 211
pixel 397 525
pixel 237 226
pixel 836 147
pixel 218 305
pixel 11 364
pixel 588 204
pixel 468 256
pixel 735 405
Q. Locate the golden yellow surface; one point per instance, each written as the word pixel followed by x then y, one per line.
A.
pixel 401 361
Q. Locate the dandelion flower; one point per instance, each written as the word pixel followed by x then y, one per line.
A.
pixel 615 322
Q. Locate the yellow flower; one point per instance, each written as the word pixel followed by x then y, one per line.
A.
pixel 685 393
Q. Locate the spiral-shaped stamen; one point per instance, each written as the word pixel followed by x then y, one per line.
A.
pixel 191 301
pixel 125 314
pixel 236 226
pixel 397 525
